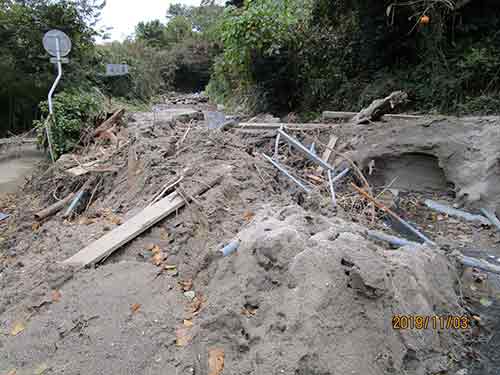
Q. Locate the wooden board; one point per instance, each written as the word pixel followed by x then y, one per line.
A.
pixel 350 115
pixel 119 236
pixel 149 216
pixel 328 152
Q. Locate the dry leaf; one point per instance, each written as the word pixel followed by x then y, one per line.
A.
pixel 116 220
pixel 188 323
pixel 315 179
pixel 248 216
pixel 157 259
pixel 248 312
pixel 135 307
pixel 18 328
pixel 35 226
pixel 86 221
pixel 215 361
pixel 183 336
pixel 197 304
pixel 155 249
pixel 56 296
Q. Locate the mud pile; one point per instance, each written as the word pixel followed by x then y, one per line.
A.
pixel 302 295
pixel 465 150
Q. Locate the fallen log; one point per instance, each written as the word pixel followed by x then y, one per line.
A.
pixel 149 216
pixel 55 208
pixel 110 122
pixel 380 107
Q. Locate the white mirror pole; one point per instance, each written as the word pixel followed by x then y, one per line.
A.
pixel 51 92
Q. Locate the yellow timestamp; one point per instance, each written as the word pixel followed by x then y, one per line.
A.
pixel 431 321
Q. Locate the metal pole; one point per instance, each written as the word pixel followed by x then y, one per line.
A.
pixel 332 190
pixel 286 173
pixel 51 92
pixel 304 149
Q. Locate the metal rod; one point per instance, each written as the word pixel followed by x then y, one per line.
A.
pixel 492 217
pixel 304 149
pixel 332 190
pixel 454 212
pixel 286 173
pixel 393 240
pixel 340 175
pixel 394 215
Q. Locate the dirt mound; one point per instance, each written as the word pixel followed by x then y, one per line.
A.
pixel 310 295
pixel 302 295
pixel 465 149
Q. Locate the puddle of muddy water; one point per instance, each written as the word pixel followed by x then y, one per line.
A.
pixel 14 168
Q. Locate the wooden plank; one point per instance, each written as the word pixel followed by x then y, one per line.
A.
pixel 350 115
pixel 277 125
pixel 328 152
pixel 149 216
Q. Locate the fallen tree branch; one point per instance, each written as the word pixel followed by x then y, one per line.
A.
pixel 380 107
pixel 109 123
pixel 54 208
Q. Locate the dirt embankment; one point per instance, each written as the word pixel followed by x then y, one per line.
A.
pixel 305 293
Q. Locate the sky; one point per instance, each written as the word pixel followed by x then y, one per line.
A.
pixel 123 15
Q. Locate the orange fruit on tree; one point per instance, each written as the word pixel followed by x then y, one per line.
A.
pixel 424 20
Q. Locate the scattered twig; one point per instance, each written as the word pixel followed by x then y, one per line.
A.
pixel 165 189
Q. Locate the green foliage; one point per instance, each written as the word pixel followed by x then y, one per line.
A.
pixel 26 72
pixel 343 54
pixel 74 113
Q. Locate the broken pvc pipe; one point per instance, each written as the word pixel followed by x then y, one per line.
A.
pixel 491 217
pixel 230 248
pixel 393 240
pixel 286 173
pixel 454 212
pixel 477 263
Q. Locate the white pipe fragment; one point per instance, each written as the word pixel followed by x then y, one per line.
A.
pixel 454 212
pixel 492 217
pixel 393 240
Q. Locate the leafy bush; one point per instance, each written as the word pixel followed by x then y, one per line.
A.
pixel 341 54
pixel 74 112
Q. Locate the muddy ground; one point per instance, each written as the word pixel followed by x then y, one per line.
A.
pixel 306 292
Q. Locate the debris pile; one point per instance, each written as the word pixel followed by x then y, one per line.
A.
pixel 252 247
